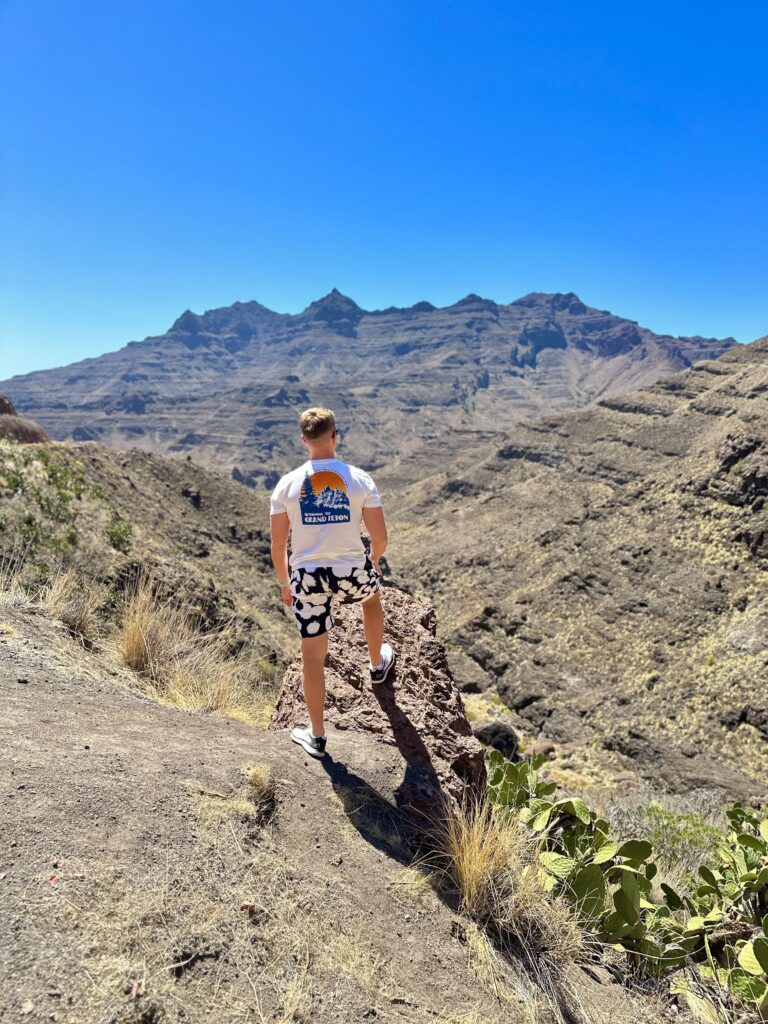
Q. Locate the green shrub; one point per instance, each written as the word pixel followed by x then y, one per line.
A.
pixel 677 837
pixel 118 531
pixel 42 491
pixel 719 915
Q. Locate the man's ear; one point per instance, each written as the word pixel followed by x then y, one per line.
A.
pixel 304 440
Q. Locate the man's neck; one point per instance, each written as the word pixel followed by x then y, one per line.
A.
pixel 321 452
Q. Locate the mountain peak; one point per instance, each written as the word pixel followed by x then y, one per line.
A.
pixel 475 302
pixel 338 311
pixel 554 302
pixel 334 300
pixel 221 317
pixel 188 322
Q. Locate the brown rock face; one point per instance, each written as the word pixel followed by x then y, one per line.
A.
pixel 419 709
pixel 18 428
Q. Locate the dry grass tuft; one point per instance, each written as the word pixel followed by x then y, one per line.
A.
pixel 260 779
pixel 297 1002
pixel 351 955
pixel 75 602
pixel 491 858
pixel 483 849
pixel 12 591
pixel 212 807
pixel 411 887
pixel 186 667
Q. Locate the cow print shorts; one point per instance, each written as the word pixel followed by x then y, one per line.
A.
pixel 313 592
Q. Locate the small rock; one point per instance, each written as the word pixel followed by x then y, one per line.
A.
pixel 499 735
pixel 545 748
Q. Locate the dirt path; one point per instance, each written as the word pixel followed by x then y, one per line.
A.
pixel 125 849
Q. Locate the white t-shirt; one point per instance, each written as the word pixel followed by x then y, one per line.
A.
pixel 324 500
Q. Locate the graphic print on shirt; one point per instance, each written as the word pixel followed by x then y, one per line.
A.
pixel 323 499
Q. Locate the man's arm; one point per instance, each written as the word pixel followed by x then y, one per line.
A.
pixel 280 527
pixel 377 530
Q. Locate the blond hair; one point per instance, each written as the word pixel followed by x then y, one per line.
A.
pixel 316 422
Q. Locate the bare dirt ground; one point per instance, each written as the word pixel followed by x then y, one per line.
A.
pixel 143 880
pixel 131 891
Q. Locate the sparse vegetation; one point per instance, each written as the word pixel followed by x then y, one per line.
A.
pixel 680 839
pixel 186 667
pixel 260 778
pixel 43 490
pixel 715 925
pixel 74 602
pixel 118 531
pixel 491 856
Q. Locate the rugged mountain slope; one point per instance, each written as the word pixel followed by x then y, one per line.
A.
pixel 607 572
pixel 228 384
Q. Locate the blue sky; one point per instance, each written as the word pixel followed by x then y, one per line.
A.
pixel 164 156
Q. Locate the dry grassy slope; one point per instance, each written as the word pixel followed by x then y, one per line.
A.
pixel 607 571
pixel 205 535
pixel 138 887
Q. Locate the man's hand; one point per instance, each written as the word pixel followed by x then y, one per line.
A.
pixel 280 527
pixel 377 531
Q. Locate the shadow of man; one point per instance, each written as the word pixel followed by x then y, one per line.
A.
pixel 382 824
pixel 401 829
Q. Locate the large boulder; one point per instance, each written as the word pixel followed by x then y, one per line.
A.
pixel 418 710
pixel 19 428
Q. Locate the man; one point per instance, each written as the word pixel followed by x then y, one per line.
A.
pixel 322 506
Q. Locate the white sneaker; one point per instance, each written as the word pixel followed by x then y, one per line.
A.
pixel 314 745
pixel 379 675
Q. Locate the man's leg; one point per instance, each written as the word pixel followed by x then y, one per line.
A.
pixel 313 651
pixel 373 627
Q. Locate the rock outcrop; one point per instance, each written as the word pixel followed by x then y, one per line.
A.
pixel 418 710
pixel 18 428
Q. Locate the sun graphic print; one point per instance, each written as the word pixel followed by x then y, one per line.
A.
pixel 323 499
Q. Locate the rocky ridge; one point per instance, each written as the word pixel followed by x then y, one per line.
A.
pixel 227 385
